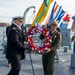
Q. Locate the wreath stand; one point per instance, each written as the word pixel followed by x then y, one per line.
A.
pixel 31 63
pixel 29 51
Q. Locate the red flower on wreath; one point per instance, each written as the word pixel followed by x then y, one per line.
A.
pixel 47 43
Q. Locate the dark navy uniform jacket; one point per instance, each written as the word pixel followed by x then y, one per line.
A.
pixel 15 41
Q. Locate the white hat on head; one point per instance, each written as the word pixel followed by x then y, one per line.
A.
pixel 20 18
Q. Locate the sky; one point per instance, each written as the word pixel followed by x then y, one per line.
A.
pixel 12 8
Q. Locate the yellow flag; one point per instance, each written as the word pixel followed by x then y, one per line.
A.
pixel 42 13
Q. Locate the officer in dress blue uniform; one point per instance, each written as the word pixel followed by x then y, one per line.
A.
pixel 48 58
pixel 15 47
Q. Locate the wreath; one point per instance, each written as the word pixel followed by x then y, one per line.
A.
pixel 47 39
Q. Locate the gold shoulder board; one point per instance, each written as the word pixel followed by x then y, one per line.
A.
pixel 14 28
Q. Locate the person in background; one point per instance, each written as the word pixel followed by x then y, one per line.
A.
pixel 58 29
pixel 7 31
pixel 73 40
pixel 49 57
pixel 15 46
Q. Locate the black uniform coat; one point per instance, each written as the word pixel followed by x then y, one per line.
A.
pixel 15 47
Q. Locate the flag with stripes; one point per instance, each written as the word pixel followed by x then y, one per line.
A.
pixel 61 14
pixel 65 21
pixel 45 7
pixel 56 13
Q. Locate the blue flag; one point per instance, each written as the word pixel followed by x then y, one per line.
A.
pixel 62 13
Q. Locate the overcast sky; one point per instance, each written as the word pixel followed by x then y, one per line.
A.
pixel 11 8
